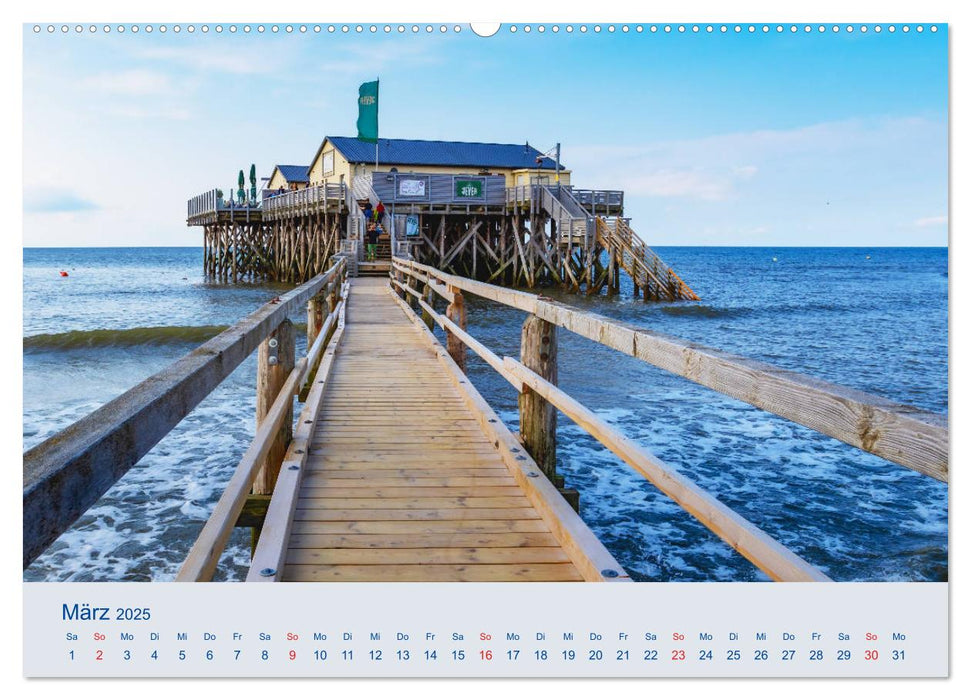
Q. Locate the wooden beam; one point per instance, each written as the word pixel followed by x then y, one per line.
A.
pixel 275 360
pixel 537 417
pixel 456 314
pixel 315 317
pixel 460 245
pixel 481 350
pixel 253 512
pixel 66 474
pixel 768 555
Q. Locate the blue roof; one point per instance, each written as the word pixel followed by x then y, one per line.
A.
pixel 295 173
pixel 453 153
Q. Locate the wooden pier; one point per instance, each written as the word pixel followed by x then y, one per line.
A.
pixel 402 483
pixel 397 469
pixel 532 235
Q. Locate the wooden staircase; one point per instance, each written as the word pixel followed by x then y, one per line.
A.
pixel 645 268
pixel 381 264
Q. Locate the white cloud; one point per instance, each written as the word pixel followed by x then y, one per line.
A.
pixel 931 221
pixel 670 182
pixel 718 167
pixel 130 82
pixel 219 59
pixel 133 112
pixel 54 200
pixel 369 59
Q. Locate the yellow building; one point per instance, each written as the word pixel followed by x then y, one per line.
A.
pixel 288 177
pixel 341 158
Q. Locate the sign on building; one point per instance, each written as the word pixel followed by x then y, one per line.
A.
pixel 411 225
pixel 469 189
pixel 411 187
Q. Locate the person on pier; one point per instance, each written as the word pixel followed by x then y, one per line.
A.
pixel 372 241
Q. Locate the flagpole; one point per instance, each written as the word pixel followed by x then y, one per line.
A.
pixel 377 137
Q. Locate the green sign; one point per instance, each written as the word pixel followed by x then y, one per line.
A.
pixel 469 189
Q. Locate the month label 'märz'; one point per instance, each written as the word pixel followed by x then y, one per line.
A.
pixel 486 630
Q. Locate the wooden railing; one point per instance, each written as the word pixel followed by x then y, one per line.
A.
pixel 204 208
pixel 303 200
pixel 203 204
pixel 67 473
pixel 203 558
pixel 611 201
pixel 592 201
pixel 902 434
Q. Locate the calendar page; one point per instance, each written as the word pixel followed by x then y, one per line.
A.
pixel 604 349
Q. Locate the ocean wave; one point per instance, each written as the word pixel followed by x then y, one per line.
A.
pixel 809 306
pixel 704 311
pixel 124 337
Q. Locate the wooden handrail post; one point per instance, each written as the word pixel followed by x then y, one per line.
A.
pixel 275 360
pixel 426 296
pixel 334 295
pixel 315 316
pixel 455 312
pixel 537 417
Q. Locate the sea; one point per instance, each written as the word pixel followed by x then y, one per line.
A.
pixel 875 319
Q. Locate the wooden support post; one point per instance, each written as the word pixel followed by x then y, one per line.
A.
pixel 428 297
pixel 455 312
pixel 270 376
pixel 315 317
pixel 333 295
pixel 537 417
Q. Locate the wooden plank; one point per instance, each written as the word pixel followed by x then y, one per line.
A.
pixel 767 554
pixel 452 572
pixel 463 466
pixel 456 514
pixel 67 473
pixel 428 556
pixel 371 490
pixel 407 527
pixel 421 540
pixel 325 480
pixel 410 503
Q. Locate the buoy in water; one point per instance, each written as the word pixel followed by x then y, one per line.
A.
pixel 868 257
pixel 63 273
pixel 775 259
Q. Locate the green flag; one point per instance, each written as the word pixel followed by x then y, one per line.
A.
pixel 367 112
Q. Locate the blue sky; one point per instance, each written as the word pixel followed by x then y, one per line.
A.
pixel 718 139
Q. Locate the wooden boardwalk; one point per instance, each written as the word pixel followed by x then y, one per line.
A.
pixel 398 470
pixel 401 483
